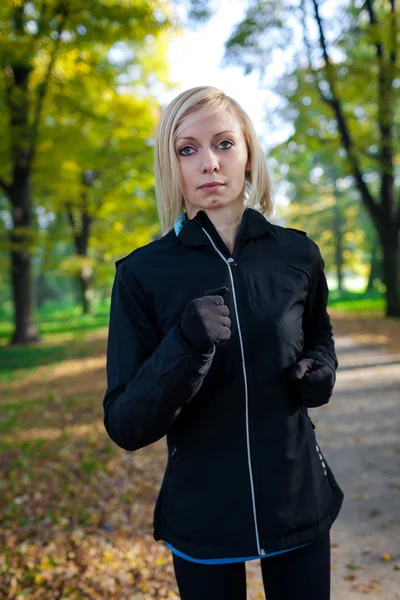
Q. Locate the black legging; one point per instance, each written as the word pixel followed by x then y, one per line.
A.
pixel 303 574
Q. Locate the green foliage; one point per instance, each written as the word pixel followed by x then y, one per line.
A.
pixel 82 122
pixel 65 334
pixel 62 320
pixel 248 44
pixel 338 87
pixel 313 176
pixel 357 303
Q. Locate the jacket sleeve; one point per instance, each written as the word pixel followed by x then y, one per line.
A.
pixel 318 338
pixel 149 379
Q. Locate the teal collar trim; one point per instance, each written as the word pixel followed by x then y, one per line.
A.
pixel 179 223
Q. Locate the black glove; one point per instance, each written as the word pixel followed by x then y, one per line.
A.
pixel 205 321
pixel 313 382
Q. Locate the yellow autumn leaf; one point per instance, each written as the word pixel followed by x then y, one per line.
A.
pixel 45 563
pixel 387 557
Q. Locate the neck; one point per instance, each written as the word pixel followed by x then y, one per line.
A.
pixel 226 221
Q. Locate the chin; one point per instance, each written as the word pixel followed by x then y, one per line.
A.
pixel 210 203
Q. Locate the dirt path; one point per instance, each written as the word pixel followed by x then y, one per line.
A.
pixel 359 433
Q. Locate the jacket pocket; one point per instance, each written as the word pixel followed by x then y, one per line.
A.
pixel 159 509
pixel 312 496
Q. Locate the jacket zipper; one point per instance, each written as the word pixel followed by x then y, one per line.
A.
pixel 230 262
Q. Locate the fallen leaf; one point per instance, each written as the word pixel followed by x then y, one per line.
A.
pixel 359 486
pixel 335 546
pixel 387 557
pixel 368 588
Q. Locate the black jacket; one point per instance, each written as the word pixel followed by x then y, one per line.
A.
pixel 245 475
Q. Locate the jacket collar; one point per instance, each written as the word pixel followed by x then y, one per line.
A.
pixel 190 233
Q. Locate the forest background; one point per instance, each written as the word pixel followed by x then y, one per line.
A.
pixel 82 87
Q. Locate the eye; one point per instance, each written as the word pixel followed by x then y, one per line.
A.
pixel 186 151
pixel 225 142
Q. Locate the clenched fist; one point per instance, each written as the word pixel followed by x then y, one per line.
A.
pixel 313 381
pixel 205 321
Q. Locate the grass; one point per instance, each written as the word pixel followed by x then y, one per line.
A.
pixel 65 334
pixel 356 302
pixel 59 320
pixel 362 316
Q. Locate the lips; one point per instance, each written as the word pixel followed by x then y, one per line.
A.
pixel 211 185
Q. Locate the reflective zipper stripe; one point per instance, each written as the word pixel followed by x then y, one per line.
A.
pixel 229 262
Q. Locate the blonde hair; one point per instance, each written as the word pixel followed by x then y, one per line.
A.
pixel 207 100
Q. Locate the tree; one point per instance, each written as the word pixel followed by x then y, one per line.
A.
pixel 104 140
pixel 353 66
pixel 316 178
pixel 322 204
pixel 41 32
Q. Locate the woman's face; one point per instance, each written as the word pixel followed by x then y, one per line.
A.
pixel 213 160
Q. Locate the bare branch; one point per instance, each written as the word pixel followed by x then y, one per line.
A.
pixel 343 127
pixel 322 39
pixel 385 112
pixel 305 32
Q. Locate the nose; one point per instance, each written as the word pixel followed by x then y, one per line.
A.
pixel 210 162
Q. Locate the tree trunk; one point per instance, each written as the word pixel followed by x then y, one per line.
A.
pixel 385 212
pixel 375 270
pixel 24 103
pixel 391 276
pixel 80 222
pixel 338 233
pixel 25 326
pixel 20 238
pixel 85 282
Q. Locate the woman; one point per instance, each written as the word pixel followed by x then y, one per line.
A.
pixel 219 338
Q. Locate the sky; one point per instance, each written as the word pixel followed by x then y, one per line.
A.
pixel 195 59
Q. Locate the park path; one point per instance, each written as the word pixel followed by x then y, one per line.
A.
pixel 89 494
pixel 359 434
